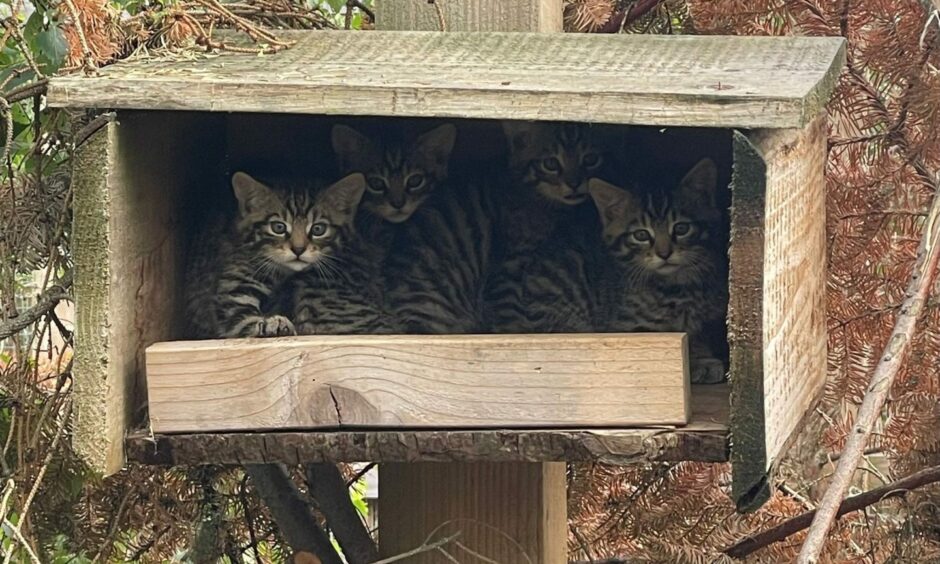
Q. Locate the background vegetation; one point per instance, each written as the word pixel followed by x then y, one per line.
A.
pixel 884 160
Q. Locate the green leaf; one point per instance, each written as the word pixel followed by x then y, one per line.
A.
pixel 52 48
pixel 46 40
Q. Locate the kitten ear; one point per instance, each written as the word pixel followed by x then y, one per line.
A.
pixel 251 194
pixel 609 199
pixel 701 183
pixel 351 147
pixel 519 134
pixel 433 148
pixel 344 195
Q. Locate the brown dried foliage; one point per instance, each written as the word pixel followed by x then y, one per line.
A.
pixel 884 162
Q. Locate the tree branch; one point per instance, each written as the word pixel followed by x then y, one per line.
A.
pixel 623 18
pixel 27 91
pixel 796 524
pixel 46 303
pixel 928 256
pixel 291 512
pixel 329 489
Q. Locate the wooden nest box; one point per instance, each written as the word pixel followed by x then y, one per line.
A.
pixel 180 126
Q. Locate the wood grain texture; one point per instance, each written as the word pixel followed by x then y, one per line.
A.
pixel 470 15
pixel 418 381
pixel 772 392
pixel 709 81
pixel 705 439
pixel 512 513
pixel 745 325
pixel 101 413
pixel 128 261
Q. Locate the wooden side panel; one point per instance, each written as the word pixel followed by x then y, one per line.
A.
pixel 512 513
pixel 470 15
pixel 102 409
pixel 673 80
pixel 777 310
pixel 745 325
pixel 419 381
pixel 794 277
pixel 131 182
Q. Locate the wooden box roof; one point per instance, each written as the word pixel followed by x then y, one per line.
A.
pixel 710 81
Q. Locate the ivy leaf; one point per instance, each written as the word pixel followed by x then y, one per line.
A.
pixel 52 47
pixel 46 40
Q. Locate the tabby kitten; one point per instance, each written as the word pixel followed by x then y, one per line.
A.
pixel 549 168
pixel 668 246
pixel 399 176
pixel 238 266
pixel 660 268
pixel 348 295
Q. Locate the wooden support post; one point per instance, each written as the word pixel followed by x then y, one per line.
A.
pixel 492 504
pixel 511 513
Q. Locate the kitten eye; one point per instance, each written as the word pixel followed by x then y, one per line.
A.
pixel 591 160
pixel 681 228
pixel 414 182
pixel 551 164
pixel 278 227
pixel 642 235
pixel 319 229
pixel 377 185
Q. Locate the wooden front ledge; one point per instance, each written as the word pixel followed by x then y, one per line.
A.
pixel 704 439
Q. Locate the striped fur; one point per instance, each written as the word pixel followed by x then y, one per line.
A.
pixel 661 268
pixel 238 266
pixel 399 176
pixel 550 166
pixel 437 271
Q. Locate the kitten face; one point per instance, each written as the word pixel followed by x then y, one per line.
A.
pixel 557 159
pixel 665 233
pixel 399 177
pixel 291 230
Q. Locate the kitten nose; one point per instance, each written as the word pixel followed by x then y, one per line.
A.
pixel 664 253
pixel 575 182
pixel 398 204
pixel 298 250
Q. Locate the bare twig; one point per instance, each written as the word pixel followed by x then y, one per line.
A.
pixel 925 269
pixel 358 476
pixel 27 91
pixel 47 301
pixel 796 524
pixel 441 22
pixel 88 58
pixel 624 17
pixel 91 128
pixel 329 489
pixel 427 546
pixel 6 112
pixel 362 7
pixel 24 510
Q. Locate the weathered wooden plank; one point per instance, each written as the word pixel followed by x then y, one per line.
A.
pixel 486 503
pixel 101 413
pixel 777 314
pixel 746 82
pixel 705 438
pixel 418 381
pixel 128 263
pixel 475 15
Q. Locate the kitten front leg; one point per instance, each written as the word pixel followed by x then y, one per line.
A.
pixel 240 312
pixel 705 368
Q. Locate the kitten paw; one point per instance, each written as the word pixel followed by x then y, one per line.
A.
pixel 275 326
pixel 707 371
